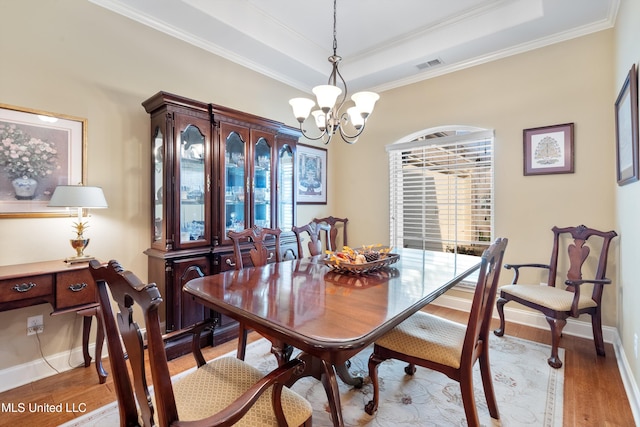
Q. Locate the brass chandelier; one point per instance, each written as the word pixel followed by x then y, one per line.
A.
pixel 330 118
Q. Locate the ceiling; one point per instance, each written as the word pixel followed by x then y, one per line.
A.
pixel 383 43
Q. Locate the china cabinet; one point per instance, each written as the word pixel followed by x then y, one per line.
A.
pixel 213 170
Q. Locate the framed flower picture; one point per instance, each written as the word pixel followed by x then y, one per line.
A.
pixel 39 150
pixel 548 149
pixel 311 185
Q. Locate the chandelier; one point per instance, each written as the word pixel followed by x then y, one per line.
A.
pixel 331 117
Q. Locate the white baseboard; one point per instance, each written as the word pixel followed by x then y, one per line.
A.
pixel 573 328
pixel 35 370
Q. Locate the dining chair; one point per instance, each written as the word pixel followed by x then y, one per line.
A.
pixel 313 229
pixel 332 237
pixel 448 347
pixel 259 253
pixel 222 392
pixel 576 296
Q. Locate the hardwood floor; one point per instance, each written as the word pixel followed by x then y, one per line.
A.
pixel 593 391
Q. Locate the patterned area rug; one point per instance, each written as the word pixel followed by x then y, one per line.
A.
pixel 528 391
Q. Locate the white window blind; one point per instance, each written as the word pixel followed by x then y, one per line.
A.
pixel 441 192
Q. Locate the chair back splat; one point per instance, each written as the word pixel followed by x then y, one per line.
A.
pixel 332 237
pixel 221 392
pixel 313 230
pixel 448 347
pixel 572 246
pixel 258 237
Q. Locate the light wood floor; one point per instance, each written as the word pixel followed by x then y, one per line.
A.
pixel 593 391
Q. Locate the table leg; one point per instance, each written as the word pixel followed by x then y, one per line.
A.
pixel 347 378
pixel 86 329
pixel 324 372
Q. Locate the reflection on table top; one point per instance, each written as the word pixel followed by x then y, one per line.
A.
pixel 305 299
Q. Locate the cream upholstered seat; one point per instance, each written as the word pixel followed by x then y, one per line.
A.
pixel 576 295
pixel 222 392
pixel 445 346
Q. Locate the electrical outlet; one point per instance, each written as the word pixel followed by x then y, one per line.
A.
pixel 635 345
pixel 35 325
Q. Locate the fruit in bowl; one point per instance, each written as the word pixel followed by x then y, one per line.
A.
pixel 367 253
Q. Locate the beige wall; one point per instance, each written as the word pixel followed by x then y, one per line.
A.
pixel 75 58
pixel 627 198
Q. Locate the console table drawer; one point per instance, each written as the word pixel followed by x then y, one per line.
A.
pixel 74 288
pixel 26 287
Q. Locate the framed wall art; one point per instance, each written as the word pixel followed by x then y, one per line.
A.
pixel 548 149
pixel 39 150
pixel 311 185
pixel 627 130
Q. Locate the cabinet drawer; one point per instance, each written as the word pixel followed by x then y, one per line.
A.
pixel 74 288
pixel 26 287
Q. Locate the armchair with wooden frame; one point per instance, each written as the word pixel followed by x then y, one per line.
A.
pixel 222 392
pixel 448 347
pixel 332 235
pixel 260 255
pixel 577 295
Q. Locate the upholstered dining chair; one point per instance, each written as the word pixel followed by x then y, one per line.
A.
pixel 222 392
pixel 313 230
pixel 436 343
pixel 334 223
pixel 260 255
pixel 576 295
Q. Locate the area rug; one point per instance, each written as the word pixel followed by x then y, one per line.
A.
pixel 529 392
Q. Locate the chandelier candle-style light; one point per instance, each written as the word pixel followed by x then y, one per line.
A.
pixel 331 118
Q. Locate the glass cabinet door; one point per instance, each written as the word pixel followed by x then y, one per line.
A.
pixel 285 188
pixel 158 178
pixel 235 182
pixel 262 183
pixel 192 181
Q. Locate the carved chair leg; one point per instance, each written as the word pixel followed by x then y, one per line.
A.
pixel 500 307
pixel 596 325
pixel 468 397
pixel 372 406
pixel 487 384
pixel 242 342
pixel 556 332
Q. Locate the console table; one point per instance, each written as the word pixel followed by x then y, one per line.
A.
pixel 67 287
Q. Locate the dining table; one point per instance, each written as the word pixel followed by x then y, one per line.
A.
pixel 328 314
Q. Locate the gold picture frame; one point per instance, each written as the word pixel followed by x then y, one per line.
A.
pixel 40 146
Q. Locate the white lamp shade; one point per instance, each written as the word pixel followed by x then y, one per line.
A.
pixel 78 196
pixel 355 117
pixel 326 95
pixel 365 101
pixel 320 118
pixel 301 107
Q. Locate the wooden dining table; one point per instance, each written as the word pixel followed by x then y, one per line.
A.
pixel 330 316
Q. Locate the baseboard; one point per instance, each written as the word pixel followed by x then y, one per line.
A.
pixel 26 373
pixel 573 328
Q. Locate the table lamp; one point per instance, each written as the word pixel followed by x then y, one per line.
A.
pixel 80 197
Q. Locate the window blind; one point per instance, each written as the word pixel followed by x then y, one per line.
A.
pixel 441 192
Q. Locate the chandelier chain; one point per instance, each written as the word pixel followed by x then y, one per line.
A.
pixel 335 33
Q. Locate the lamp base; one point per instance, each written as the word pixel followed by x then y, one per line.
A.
pixel 74 259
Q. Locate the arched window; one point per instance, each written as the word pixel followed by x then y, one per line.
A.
pixel 441 189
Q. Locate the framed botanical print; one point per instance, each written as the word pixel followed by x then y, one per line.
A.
pixel 311 185
pixel 39 150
